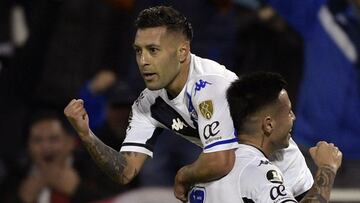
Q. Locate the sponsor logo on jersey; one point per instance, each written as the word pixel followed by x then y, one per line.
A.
pixel 197 195
pixel 206 109
pixel 277 191
pixel 264 162
pixel 178 124
pixel 274 177
pixel 201 84
pixel 210 131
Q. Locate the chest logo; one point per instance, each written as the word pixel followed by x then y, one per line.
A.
pixel 178 124
pixel 206 109
pixel 201 84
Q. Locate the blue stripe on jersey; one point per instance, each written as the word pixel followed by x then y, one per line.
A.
pixel 221 142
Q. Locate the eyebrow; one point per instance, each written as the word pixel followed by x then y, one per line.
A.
pixel 147 46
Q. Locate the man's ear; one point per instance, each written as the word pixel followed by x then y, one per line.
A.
pixel 268 125
pixel 183 51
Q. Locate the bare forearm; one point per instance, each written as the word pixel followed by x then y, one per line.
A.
pixel 209 167
pixel 110 161
pixel 320 192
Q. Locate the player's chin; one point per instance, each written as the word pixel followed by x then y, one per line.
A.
pixel 153 85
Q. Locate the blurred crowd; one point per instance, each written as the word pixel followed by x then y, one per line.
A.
pixel 52 51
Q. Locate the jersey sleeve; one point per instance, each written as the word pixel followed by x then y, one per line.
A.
pixel 215 125
pixel 263 182
pixel 141 133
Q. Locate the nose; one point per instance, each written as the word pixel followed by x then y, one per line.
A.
pixel 143 59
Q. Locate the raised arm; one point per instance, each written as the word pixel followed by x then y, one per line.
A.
pixel 327 158
pixel 121 167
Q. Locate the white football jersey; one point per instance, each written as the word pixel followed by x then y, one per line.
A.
pixel 253 179
pixel 200 114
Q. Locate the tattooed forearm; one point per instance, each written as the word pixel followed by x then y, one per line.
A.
pixel 320 192
pixel 110 161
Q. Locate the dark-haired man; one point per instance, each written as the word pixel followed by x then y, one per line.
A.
pixel 186 94
pixel 262 114
pixel 55 171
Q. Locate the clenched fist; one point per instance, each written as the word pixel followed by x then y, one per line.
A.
pixel 77 116
pixel 325 154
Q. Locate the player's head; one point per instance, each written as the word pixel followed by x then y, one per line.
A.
pixel 48 140
pixel 162 45
pixel 259 105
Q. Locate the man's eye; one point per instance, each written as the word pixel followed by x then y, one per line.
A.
pixel 153 50
pixel 137 51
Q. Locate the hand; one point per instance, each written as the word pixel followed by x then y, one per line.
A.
pixel 77 116
pixel 31 187
pixel 63 179
pixel 325 154
pixel 181 188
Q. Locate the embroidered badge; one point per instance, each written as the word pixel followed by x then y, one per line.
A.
pixel 206 109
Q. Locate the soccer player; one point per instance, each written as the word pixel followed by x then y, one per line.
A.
pixel 262 114
pixel 186 94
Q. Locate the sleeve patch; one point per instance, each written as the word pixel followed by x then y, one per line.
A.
pixel 274 177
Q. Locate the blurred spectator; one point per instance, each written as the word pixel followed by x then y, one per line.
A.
pixel 55 173
pixel 108 102
pixel 329 99
pixel 267 43
pixel 6 45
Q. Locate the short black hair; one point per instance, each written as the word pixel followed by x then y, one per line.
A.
pixel 252 92
pixel 49 115
pixel 166 16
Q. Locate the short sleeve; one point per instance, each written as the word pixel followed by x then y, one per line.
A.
pixel 141 133
pixel 264 182
pixel 215 125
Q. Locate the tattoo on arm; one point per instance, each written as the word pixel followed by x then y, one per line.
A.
pixel 110 161
pixel 320 192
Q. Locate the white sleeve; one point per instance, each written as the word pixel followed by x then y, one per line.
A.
pixel 215 125
pixel 141 133
pixel 264 183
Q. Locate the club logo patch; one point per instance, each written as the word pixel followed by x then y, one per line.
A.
pixel 274 177
pixel 197 195
pixel 206 109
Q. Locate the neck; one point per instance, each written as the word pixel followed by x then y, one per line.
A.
pixel 258 142
pixel 180 80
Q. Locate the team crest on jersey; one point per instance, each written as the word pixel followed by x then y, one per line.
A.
pixel 206 109
pixel 274 177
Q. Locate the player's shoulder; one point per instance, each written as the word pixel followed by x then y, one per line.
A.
pixel 209 69
pixel 208 76
pixel 260 171
pixel 146 98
